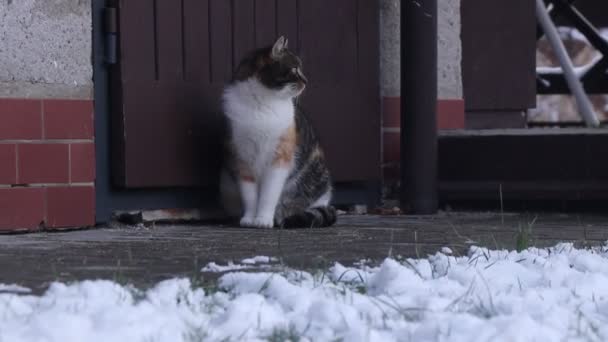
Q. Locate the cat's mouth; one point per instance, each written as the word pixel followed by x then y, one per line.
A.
pixel 300 85
pixel 297 88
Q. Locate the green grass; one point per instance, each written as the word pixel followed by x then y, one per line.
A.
pixel 196 334
pixel 523 239
pixel 119 277
pixel 290 334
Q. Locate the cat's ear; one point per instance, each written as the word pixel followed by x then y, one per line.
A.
pixel 278 47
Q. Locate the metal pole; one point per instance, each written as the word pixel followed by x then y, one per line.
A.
pixel 584 105
pixel 419 106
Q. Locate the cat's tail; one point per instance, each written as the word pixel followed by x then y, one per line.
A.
pixel 319 217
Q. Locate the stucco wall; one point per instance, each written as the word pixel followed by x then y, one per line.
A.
pixel 45 49
pixel 449 49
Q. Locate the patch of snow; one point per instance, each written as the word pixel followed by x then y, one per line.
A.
pixel 553 294
pixel 579 71
pixel 14 288
pixel 258 260
pixel 231 266
pixel 363 262
pixel 567 32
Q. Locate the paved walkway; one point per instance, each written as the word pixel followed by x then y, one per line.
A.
pixel 143 256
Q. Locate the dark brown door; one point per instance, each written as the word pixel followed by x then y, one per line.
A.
pixel 498 62
pixel 176 55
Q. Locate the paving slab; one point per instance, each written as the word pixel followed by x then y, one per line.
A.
pixel 145 255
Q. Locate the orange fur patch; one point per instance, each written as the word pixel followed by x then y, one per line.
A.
pixel 286 147
pixel 242 169
pixel 245 172
pixel 262 61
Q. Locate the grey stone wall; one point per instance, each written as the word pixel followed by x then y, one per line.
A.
pixel 449 49
pixel 390 48
pixel 45 49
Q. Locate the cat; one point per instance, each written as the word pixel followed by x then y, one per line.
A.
pixel 274 174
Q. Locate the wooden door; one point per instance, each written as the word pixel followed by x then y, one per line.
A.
pixel 175 56
pixel 498 62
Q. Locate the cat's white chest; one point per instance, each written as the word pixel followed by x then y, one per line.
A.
pixel 257 124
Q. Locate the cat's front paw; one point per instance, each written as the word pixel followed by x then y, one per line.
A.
pixel 263 222
pixel 247 222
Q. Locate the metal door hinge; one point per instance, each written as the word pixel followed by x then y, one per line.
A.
pixel 111 35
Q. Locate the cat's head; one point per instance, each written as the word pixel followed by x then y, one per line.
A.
pixel 276 68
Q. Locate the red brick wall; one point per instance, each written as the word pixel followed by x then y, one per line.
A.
pixel 450 115
pixel 47 164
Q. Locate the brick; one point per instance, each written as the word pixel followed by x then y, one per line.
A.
pixel 70 207
pixel 391 112
pixel 391 147
pixel 450 114
pixel 8 163
pixel 82 162
pixel 43 163
pixel 68 119
pixel 21 208
pixel 20 119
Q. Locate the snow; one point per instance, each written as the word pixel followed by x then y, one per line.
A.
pixel 259 261
pixel 446 250
pixel 14 288
pixel 554 294
pixel 579 71
pixel 568 32
pixel 216 268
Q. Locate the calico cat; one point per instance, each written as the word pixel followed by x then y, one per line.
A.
pixel 275 173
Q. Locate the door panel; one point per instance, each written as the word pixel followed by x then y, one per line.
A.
pixel 175 57
pixel 498 54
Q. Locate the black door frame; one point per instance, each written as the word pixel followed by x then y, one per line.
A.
pixel 110 198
